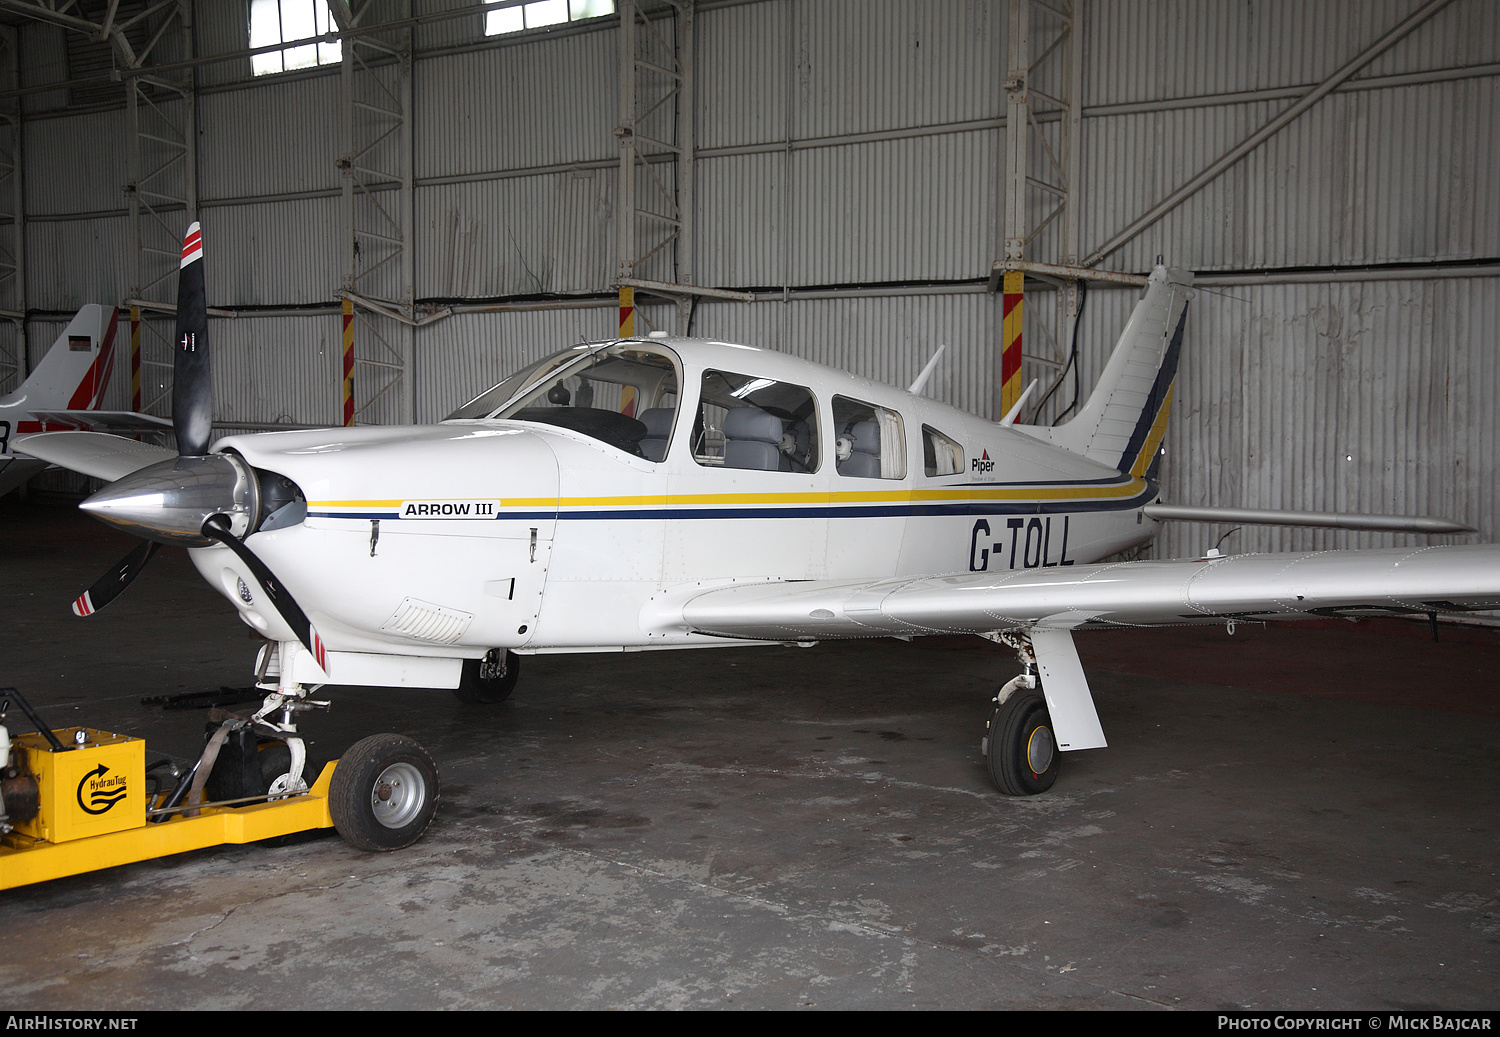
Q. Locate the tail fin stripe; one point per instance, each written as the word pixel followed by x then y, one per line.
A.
pixel 95 381
pixel 1152 422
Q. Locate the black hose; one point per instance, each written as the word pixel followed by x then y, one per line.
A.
pixel 1083 288
pixel 43 729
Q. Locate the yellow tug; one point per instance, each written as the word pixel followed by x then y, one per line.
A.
pixel 74 800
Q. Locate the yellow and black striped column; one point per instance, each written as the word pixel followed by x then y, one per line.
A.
pixel 627 312
pixel 1010 356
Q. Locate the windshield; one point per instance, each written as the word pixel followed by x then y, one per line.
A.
pixel 488 402
pixel 623 394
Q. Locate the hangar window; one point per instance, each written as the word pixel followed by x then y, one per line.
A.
pixel 516 15
pixel 758 423
pixel 940 455
pixel 868 440
pixel 286 21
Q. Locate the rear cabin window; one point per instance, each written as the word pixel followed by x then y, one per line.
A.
pixel 940 455
pixel 624 395
pixel 755 423
pixel 868 440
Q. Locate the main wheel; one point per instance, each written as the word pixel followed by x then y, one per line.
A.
pixel 1020 749
pixel 489 680
pixel 384 793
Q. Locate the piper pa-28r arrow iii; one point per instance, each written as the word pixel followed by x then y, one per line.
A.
pixel 660 493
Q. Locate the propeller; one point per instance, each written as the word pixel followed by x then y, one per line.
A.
pixel 192 386
pixel 108 586
pixel 197 498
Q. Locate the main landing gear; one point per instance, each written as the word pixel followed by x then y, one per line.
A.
pixel 1020 750
pixel 489 680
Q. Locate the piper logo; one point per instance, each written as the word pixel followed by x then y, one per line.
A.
pixel 97 793
pixel 982 464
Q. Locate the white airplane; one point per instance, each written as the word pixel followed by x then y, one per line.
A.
pixel 664 493
pixel 64 392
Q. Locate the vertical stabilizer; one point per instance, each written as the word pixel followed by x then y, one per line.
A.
pixel 1123 422
pixel 75 372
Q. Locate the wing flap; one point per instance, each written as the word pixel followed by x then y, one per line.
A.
pixel 1251 587
pixel 93 453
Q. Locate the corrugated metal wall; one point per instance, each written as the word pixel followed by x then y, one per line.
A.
pixel 860 143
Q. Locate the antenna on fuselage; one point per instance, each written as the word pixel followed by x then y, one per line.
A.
pixel 921 381
pixel 1015 412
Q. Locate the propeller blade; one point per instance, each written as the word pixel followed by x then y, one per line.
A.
pixel 108 587
pixel 217 528
pixel 192 384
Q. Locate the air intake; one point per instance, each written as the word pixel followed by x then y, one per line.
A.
pixel 427 622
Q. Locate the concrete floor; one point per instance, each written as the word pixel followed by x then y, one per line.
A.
pixel 1288 818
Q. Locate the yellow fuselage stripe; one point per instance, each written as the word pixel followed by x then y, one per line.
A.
pixel 955 495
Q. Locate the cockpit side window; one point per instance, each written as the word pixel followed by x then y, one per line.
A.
pixel 869 440
pixel 624 395
pixel 940 455
pixel 755 423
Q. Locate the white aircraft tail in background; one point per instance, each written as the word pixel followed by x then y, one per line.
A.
pixel 64 394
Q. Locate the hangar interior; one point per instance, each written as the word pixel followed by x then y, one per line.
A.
pixel 470 185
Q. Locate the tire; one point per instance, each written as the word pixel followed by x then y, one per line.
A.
pixel 489 680
pixel 384 793
pixel 1018 741
pixel 230 779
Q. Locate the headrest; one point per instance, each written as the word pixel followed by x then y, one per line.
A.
pixel 754 424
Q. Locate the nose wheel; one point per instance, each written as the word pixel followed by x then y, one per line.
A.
pixel 384 793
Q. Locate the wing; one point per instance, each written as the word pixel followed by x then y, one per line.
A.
pixel 1048 604
pixel 1252 587
pixel 93 453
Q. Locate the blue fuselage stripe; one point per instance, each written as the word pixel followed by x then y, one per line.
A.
pixel 789 511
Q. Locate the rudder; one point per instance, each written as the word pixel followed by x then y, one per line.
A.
pixel 1125 418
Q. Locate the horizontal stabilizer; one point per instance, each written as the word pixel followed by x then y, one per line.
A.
pixel 1253 587
pixel 93 453
pixel 95 420
pixel 1322 519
